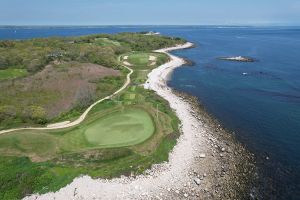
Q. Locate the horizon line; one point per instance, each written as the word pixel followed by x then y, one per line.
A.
pixel 99 25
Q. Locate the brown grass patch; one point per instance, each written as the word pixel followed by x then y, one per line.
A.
pixel 57 88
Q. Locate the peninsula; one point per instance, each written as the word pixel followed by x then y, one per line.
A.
pixel 107 125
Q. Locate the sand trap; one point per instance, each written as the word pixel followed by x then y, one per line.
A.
pixel 127 63
pixel 152 58
pixel 153 63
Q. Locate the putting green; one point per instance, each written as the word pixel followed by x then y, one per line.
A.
pixel 139 59
pixel 145 60
pixel 124 128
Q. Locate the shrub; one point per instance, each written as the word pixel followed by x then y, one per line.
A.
pixel 35 113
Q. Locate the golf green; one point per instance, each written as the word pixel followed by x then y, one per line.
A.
pixel 122 128
pixel 139 59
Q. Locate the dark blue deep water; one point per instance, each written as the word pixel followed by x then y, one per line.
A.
pixel 262 107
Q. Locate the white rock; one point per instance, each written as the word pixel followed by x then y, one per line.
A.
pixel 202 155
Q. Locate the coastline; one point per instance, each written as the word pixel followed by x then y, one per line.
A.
pixel 206 163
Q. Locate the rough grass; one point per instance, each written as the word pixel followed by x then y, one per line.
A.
pixel 12 73
pixel 57 91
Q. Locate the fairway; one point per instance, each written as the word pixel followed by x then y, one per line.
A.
pixel 123 127
pixel 128 127
pixel 12 73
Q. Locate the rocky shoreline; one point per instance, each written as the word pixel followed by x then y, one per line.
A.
pixel 206 163
pixel 235 176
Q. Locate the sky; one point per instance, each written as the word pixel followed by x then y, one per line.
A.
pixel 150 12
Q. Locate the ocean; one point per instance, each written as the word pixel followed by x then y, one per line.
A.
pixel 259 101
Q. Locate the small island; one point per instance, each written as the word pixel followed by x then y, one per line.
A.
pixel 238 59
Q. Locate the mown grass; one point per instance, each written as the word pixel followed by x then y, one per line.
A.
pixel 141 61
pixel 12 73
pixel 125 128
pixel 114 128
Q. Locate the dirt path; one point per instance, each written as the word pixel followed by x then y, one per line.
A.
pixel 68 124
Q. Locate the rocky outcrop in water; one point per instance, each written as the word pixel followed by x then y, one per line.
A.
pixel 237 59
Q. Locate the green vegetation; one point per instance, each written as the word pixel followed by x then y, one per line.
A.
pixel 27 61
pixel 106 42
pixel 144 60
pixel 12 73
pixel 20 176
pixel 126 128
pixel 49 160
pixel 115 127
pixel 139 59
pixel 102 49
pixel 123 135
pixel 142 42
pixel 55 93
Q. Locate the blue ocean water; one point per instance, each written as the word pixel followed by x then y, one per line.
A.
pixel 259 101
pixel 263 106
